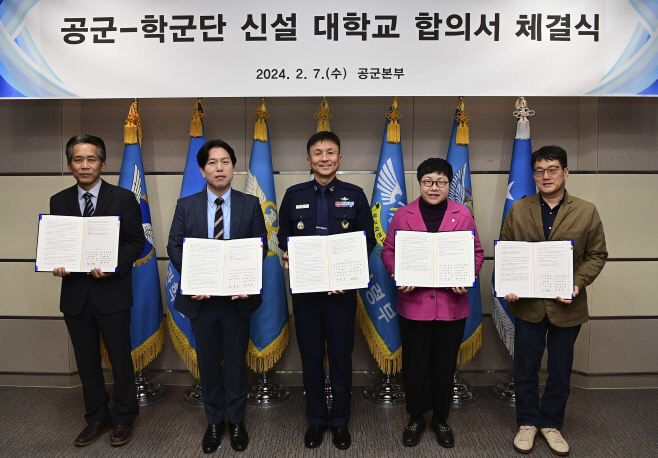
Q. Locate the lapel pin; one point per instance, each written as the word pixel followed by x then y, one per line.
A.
pixel 345 224
pixel 300 225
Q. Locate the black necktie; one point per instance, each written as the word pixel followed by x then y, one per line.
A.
pixel 89 207
pixel 219 219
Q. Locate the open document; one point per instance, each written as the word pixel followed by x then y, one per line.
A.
pixel 222 267
pixel 77 243
pixel 321 263
pixel 534 269
pixel 435 259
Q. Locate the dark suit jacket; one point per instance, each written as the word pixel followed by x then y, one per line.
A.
pixel 576 220
pixel 113 293
pixel 191 220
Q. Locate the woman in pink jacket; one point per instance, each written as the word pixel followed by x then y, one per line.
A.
pixel 432 320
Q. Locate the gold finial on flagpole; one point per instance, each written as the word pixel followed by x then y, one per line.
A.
pixel 323 116
pixel 261 114
pixel 462 137
pixel 393 129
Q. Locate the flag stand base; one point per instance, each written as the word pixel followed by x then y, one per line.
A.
pixel 504 391
pixel 148 389
pixel 386 393
pixel 193 394
pixel 462 394
pixel 327 387
pixel 267 392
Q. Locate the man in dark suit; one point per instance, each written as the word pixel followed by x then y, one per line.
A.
pixel 325 206
pixel 220 324
pixel 98 303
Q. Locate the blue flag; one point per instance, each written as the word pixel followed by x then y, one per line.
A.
pixel 520 184
pixel 461 192
pixel 146 323
pixel 180 327
pixel 377 313
pixel 269 333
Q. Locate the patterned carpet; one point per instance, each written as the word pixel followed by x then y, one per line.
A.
pixel 42 422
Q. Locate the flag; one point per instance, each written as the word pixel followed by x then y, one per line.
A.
pixel 269 331
pixel 180 327
pixel 461 192
pixel 146 323
pixel 376 308
pixel 520 184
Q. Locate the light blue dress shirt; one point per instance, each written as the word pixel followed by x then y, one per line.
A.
pixel 212 209
pixel 94 197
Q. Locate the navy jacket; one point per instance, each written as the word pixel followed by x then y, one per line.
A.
pixel 191 220
pixel 348 211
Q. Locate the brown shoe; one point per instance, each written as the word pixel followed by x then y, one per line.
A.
pixel 122 433
pixel 93 431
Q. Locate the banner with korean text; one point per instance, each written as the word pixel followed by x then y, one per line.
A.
pixel 76 48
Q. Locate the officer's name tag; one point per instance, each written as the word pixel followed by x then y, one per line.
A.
pixel 344 203
pixel 297 207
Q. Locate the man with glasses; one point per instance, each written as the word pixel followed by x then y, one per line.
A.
pixel 552 214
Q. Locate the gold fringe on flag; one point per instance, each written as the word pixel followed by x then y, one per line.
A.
pixel 393 129
pixel 468 349
pixel 132 131
pixel 389 363
pixel 462 118
pixel 143 354
pixel 260 131
pixel 323 116
pixel 196 127
pixel 260 361
pixel 183 347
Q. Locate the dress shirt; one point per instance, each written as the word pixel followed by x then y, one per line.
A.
pixel 226 210
pixel 548 214
pixel 94 197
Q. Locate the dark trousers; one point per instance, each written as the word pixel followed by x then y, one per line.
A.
pixel 530 341
pixel 85 330
pixel 222 334
pixel 429 360
pixel 320 318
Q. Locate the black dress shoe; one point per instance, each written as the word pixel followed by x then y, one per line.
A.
pixel 342 437
pixel 239 437
pixel 121 433
pixel 212 439
pixel 444 435
pixel 93 431
pixel 413 431
pixel 314 435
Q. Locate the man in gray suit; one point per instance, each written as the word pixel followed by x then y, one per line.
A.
pixel 220 324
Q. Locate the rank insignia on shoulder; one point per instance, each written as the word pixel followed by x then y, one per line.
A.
pixel 300 225
pixel 345 224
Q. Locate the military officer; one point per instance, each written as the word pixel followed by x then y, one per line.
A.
pixel 325 206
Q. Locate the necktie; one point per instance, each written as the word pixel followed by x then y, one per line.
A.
pixel 89 207
pixel 219 220
pixel 322 224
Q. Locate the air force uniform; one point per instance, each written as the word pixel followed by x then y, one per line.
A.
pixel 311 209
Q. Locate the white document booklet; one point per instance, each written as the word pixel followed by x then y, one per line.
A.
pixel 77 243
pixel 328 262
pixel 435 259
pixel 222 267
pixel 534 269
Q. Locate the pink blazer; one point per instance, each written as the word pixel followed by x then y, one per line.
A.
pixel 427 304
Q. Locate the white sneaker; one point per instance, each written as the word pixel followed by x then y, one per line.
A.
pixel 556 442
pixel 525 439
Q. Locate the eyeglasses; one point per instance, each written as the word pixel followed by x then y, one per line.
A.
pixel 552 171
pixel 439 183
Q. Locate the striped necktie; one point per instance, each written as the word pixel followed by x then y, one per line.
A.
pixel 219 219
pixel 89 207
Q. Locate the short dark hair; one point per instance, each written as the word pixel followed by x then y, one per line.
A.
pixel 204 151
pixel 434 164
pixel 549 153
pixel 324 136
pixel 90 139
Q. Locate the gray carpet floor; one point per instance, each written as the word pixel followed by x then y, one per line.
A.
pixel 42 422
